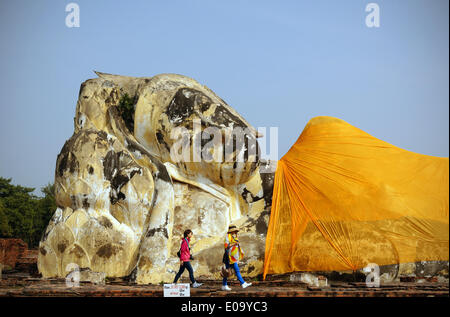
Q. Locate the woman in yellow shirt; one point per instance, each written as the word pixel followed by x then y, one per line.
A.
pixel 233 254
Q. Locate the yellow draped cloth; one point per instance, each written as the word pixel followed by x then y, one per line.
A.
pixel 343 199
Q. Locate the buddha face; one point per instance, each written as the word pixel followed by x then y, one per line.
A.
pixel 199 133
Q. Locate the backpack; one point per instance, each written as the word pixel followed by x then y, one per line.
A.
pixel 224 272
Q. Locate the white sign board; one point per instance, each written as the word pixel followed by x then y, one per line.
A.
pixel 177 290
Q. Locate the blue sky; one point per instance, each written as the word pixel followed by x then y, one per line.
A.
pixel 278 63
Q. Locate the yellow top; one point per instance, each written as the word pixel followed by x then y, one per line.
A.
pixel 235 252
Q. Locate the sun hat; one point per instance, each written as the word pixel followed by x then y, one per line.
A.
pixel 232 228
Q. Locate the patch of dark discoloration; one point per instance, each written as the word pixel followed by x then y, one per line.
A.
pixel 102 137
pixel 119 168
pixel 261 224
pixel 182 105
pixel 86 203
pixel 161 140
pixel 61 165
pixel 153 231
pixel 113 98
pixel 73 199
pixel 160 137
pixel 223 116
pixel 162 229
pixel 105 222
pixel 61 247
pixel 107 250
pixel 43 251
pixel 91 170
pixel 185 102
pixel 120 196
pixel 249 197
pixel 267 180
pixel 68 162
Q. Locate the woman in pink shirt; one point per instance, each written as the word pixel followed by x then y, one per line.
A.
pixel 185 258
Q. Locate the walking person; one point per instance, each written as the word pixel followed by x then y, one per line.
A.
pixel 233 254
pixel 185 258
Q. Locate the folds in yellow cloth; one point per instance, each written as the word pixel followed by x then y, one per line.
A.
pixel 343 199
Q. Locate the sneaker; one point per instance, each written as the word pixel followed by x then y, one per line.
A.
pixel 245 285
pixel 195 285
pixel 225 288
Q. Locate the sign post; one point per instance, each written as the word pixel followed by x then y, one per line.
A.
pixel 177 290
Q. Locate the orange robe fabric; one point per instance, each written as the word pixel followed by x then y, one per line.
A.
pixel 343 199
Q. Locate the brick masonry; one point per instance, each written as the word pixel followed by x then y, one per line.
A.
pixel 11 250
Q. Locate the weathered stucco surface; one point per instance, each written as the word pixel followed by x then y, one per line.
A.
pixel 123 203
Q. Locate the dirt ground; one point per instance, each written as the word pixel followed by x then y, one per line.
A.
pixel 19 284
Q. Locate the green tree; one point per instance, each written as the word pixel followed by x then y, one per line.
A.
pixel 5 229
pixel 18 205
pixel 22 214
